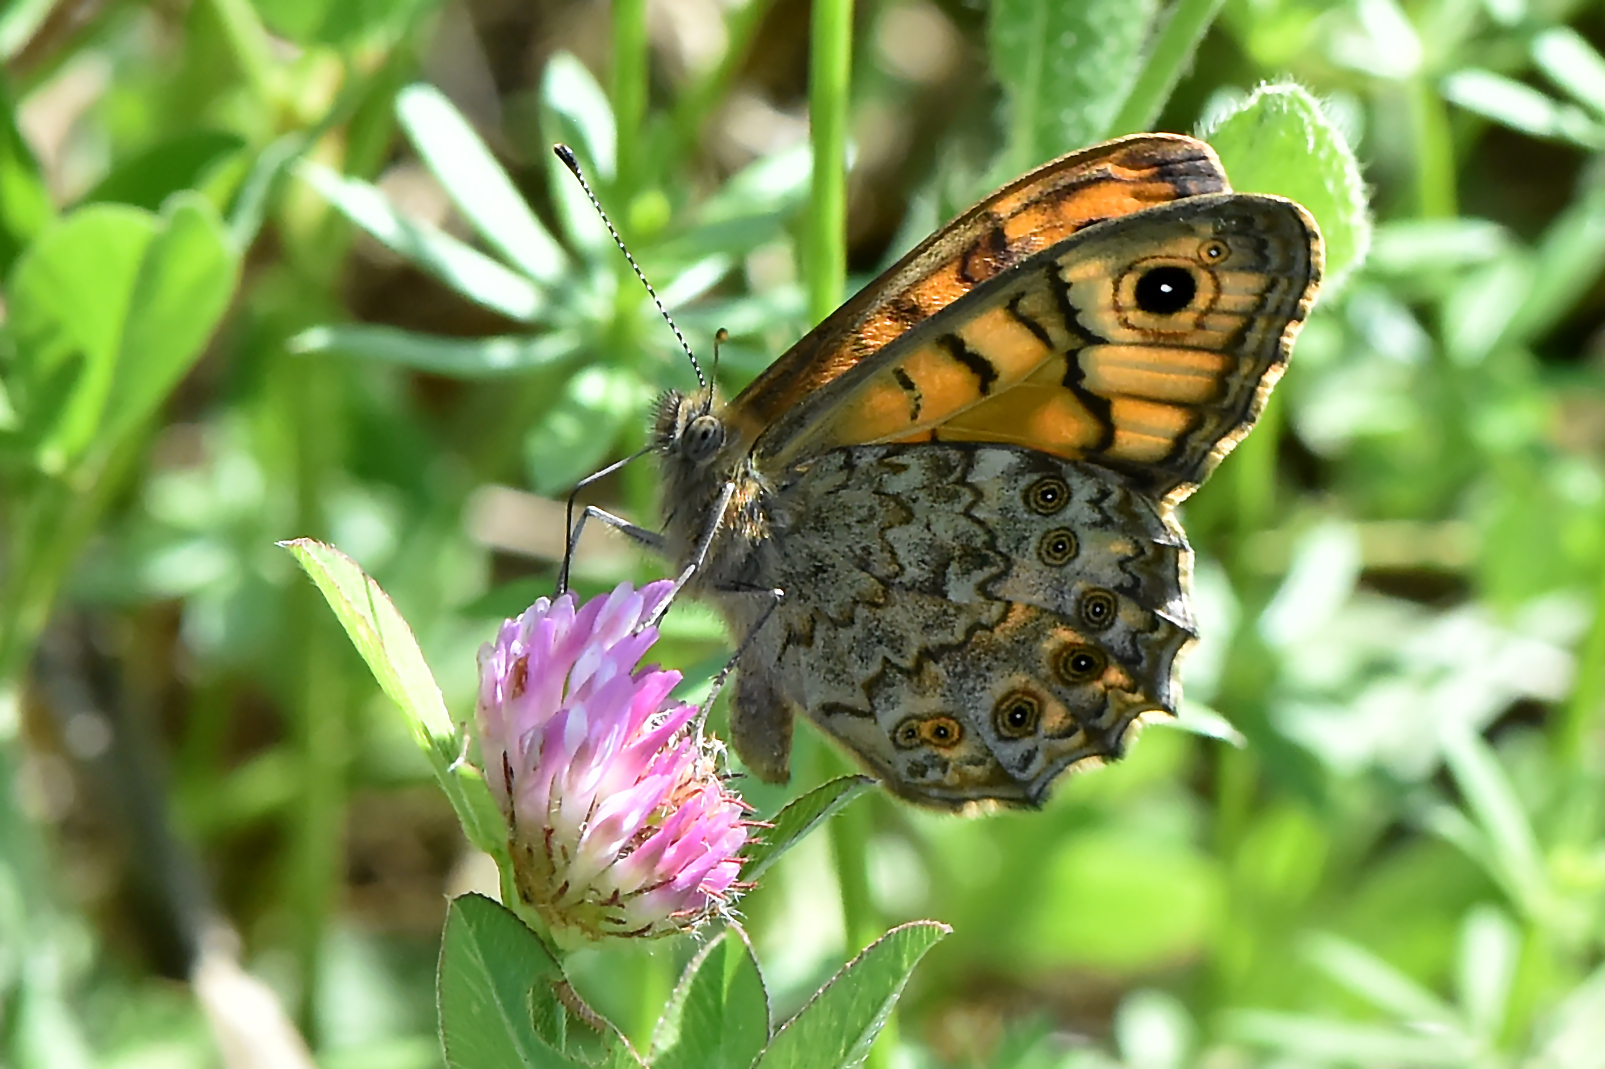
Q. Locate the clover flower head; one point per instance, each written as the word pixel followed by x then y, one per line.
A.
pixel 618 822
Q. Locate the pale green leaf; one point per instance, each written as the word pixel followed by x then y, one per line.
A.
pixel 1280 141
pixel 797 819
pixel 718 1015
pixel 838 1025
pixel 467 358
pixel 463 268
pixel 1066 69
pixel 477 184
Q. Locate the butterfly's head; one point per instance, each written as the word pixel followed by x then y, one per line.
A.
pixel 687 428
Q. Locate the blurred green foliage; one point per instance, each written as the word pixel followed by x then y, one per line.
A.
pixel 281 268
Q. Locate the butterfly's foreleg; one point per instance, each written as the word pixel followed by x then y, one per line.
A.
pixel 640 535
pixel 650 539
pixel 703 544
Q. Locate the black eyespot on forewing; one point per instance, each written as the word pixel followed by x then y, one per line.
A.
pixel 1166 289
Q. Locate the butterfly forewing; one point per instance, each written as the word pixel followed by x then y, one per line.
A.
pixel 1030 214
pixel 1147 343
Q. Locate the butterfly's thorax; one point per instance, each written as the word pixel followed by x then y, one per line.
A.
pixel 740 552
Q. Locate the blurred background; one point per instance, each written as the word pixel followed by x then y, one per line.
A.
pixel 1381 842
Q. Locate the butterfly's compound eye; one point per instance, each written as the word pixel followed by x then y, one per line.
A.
pixel 1016 715
pixel 1165 290
pixel 703 437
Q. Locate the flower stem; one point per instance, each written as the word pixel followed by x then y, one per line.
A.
pixel 1172 53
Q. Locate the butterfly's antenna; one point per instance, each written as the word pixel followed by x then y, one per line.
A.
pixel 720 336
pixel 566 154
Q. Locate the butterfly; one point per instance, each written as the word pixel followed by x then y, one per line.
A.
pixel 942 524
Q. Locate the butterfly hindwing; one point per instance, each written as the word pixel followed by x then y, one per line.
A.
pixel 972 619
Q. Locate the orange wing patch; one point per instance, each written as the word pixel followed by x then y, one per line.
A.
pixel 1031 214
pixel 1147 343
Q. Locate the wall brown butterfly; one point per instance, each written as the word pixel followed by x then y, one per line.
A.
pixel 962 483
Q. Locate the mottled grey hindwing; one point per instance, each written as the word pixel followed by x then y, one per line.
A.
pixel 971 620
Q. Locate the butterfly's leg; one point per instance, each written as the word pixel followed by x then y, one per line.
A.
pixel 760 719
pixel 697 558
pixel 775 596
pixel 650 539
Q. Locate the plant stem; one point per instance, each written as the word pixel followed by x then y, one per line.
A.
pixel 250 46
pixel 1171 56
pixel 829 76
pixel 829 73
pixel 32 573
pixel 861 923
pixel 830 62
pixel 1254 476
pixel 849 845
pixel 53 519
pixel 311 395
pixel 631 61
pixel 1583 709
pixel 849 832
pixel 1435 156
pixel 696 103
